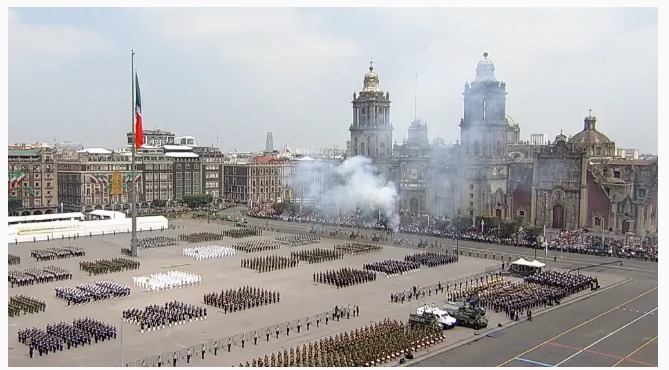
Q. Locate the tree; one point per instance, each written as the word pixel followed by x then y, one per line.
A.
pixel 281 208
pixel 159 203
pixel 14 204
pixel 194 201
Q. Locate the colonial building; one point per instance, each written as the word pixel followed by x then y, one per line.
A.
pixel 32 179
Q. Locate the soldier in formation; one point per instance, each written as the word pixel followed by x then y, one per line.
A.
pixel 171 313
pixel 61 335
pixel 344 277
pixel 201 237
pixel 40 341
pixel 14 260
pixel 269 263
pixel 358 248
pixel 243 298
pixel 242 233
pixel 252 246
pixel 57 253
pixel 35 275
pixel 298 240
pixel 167 280
pixel 21 303
pixel 573 283
pixel 392 267
pixel 373 345
pixel 317 255
pixel 85 293
pixel 105 266
pixel 206 252
pixel 432 259
pixel 156 242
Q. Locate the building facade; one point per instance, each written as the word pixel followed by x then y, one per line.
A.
pixel 33 180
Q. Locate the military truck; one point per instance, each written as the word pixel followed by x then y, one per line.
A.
pixel 469 316
pixel 425 319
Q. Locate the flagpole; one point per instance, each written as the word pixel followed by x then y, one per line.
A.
pixel 133 191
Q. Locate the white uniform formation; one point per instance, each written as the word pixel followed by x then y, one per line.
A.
pixel 207 252
pixel 167 280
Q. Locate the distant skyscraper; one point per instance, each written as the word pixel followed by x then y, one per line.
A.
pixel 269 143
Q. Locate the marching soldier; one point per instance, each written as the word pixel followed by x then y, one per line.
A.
pixel 299 325
pixel 229 344
pixel 267 334
pixel 203 349
pixel 255 338
pixel 243 339
pixel 174 360
pixel 188 354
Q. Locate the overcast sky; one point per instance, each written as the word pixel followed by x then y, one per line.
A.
pixel 237 73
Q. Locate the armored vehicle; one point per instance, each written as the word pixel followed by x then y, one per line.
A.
pixel 425 319
pixel 469 316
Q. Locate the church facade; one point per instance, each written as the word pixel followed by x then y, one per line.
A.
pixel 568 183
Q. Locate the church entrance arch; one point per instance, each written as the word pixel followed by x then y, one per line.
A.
pixel 558 217
pixel 413 205
pixel 627 226
pixel 498 214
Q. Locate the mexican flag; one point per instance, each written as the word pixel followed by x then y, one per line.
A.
pixel 128 178
pixel 139 131
pixel 98 179
pixel 16 178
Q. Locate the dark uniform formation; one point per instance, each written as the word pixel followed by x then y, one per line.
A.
pixel 243 298
pixel 62 335
pixel 154 317
pixel 156 242
pixel 269 263
pixel 358 248
pixel 201 237
pixel 432 259
pixel 14 260
pixel 344 277
pixel 573 283
pixel 252 246
pixel 296 240
pixel 373 345
pixel 105 266
pixel 56 253
pixel 35 275
pixel 392 267
pixel 85 293
pixel 242 233
pixel 317 255
pixel 21 303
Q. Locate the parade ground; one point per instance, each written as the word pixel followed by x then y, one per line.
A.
pixel 301 298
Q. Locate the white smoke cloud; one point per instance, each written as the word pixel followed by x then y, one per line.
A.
pixel 351 185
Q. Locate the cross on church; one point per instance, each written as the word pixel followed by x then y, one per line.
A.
pixel 590 112
pixel 371 65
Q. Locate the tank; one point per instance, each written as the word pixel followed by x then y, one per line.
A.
pixel 470 317
pixel 426 319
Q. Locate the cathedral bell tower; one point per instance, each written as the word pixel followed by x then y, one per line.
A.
pixel 371 131
pixel 484 125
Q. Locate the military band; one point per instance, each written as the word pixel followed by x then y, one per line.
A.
pixel 156 242
pixel 105 266
pixel 154 317
pixel 233 300
pixel 358 248
pixel 36 275
pixel 253 246
pixel 269 263
pixel 392 268
pixel 23 304
pixel 49 254
pixel 432 259
pixel 317 255
pixel 207 252
pixel 298 240
pixel 344 277
pixel 60 336
pixel 86 293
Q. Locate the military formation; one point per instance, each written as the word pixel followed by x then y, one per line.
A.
pixel 269 263
pixel 154 317
pixel 344 277
pixel 573 283
pixel 376 344
pixel 167 280
pixel 14 260
pixel 253 246
pixel 201 237
pixel 105 266
pixel 36 275
pixel 316 255
pixel 50 254
pixel 358 248
pixel 156 242
pixel 392 268
pixel 432 259
pixel 297 240
pixel 23 304
pixel 61 335
pixel 207 252
pixel 86 293
pixel 243 298
pixel 242 233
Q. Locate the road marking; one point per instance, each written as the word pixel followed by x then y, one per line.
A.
pixel 533 362
pixel 633 352
pixel 604 354
pixel 577 326
pixel 603 338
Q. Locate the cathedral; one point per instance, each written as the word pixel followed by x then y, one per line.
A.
pixel 569 183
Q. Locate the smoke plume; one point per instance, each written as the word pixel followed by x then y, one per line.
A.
pixel 352 185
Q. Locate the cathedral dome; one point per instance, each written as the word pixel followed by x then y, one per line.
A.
pixel 589 136
pixel 485 69
pixel 371 82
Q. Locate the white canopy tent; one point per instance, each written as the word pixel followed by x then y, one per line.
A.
pixel 524 266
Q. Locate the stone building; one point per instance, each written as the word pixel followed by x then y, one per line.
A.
pixel 33 179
